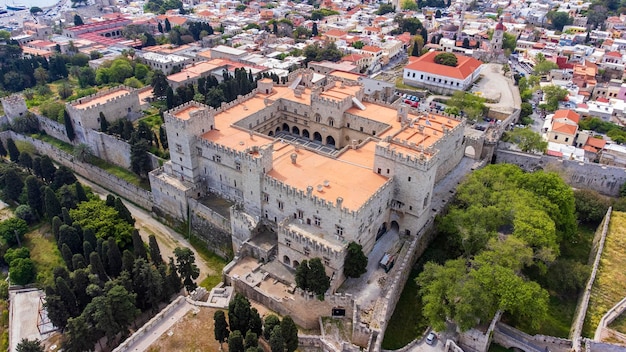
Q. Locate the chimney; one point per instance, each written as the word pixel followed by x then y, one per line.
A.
pixel 294 156
pixel 339 202
pixel 309 190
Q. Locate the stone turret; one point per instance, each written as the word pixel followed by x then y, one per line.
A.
pixel 14 106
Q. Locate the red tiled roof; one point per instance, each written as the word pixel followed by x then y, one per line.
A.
pixel 352 57
pixel 426 63
pixel 564 128
pixel 568 114
pixel 602 100
pixel 554 153
pixel 335 33
pixel 371 49
pixel 595 142
pixel 613 54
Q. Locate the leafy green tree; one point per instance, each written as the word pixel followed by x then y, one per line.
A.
pixel 317 280
pixel 114 311
pixel 384 9
pixel 80 192
pixel 527 140
pixel 447 59
pixel 235 341
pixel 187 268
pixel 544 67
pixel 239 313
pixel 78 262
pixel 26 345
pixel 314 30
pixel 14 153
pixel 80 335
pixel 103 221
pixel 139 159
pixel 355 262
pixel 26 213
pixel 553 94
pixel 104 125
pixel 12 230
pixel 221 326
pixel 251 340
pixel 174 283
pixel 559 19
pixel 22 271
pixel 70 236
pixel 302 273
pixel 270 322
pixel 255 324
pixel 289 330
pixel 47 169
pixel 14 253
pixel 590 206
pixel 148 284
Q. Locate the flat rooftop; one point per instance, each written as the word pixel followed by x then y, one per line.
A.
pixel 85 103
pixel 354 183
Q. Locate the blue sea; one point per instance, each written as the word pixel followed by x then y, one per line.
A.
pixel 30 3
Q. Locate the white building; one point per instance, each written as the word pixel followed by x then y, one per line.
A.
pixel 424 72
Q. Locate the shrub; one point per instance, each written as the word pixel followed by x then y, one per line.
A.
pixel 447 59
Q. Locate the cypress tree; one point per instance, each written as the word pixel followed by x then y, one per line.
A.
pixel 416 50
pixel 80 192
pixel 169 98
pixel 302 272
pixel 90 236
pixel 277 342
pixel 47 169
pixel 255 324
pixel 67 219
pixel 67 296
pixel 115 258
pixel 87 249
pixel 110 201
pixel 160 27
pixel 96 266
pixel 53 206
pixel 123 211
pixel 155 251
pixel 174 283
pixel 37 167
pixel 138 246
pixel 69 127
pixel 104 258
pixel 14 153
pixel 66 253
pixel 68 235
pixel 56 224
pixel 78 261
pixel 235 341
pixel 26 160
pixel 128 260
pixel 289 331
pixel 221 326
pixel 269 323
pixel 163 137
pixel 104 125
pixel 13 185
pixel 168 25
pixel 33 192
pixel 3 151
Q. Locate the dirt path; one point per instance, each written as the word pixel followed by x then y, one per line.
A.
pixel 168 238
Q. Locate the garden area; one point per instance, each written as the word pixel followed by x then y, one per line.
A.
pixel 83 251
pixel 555 289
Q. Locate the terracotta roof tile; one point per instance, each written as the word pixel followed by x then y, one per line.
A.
pixel 568 114
pixel 426 63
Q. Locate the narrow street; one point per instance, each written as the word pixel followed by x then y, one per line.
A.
pixel 147 225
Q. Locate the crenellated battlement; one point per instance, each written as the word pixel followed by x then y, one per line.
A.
pixel 14 105
pixel 319 244
pixel 253 155
pixel 73 105
pixel 427 157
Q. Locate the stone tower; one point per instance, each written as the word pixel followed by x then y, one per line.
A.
pixel 498 38
pixel 14 106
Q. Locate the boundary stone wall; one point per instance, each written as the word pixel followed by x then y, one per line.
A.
pixel 211 227
pixel 135 194
pixel 581 309
pixel 601 178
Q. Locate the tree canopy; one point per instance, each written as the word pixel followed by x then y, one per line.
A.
pixel 447 59
pixel 503 223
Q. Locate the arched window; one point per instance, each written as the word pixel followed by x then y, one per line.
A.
pixel 318 118
pixel 331 122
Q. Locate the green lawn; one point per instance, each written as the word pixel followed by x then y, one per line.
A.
pixel 44 253
pixel 610 284
pixel 120 172
pixel 211 259
pixel 66 147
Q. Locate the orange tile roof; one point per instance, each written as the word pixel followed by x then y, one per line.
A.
pixel 335 33
pixel 595 142
pixel 568 114
pixel 353 182
pixel 371 49
pixel 564 128
pixel 426 63
pixel 613 54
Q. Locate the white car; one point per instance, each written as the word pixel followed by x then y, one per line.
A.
pixel 431 338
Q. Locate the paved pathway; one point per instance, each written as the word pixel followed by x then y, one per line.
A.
pixel 158 329
pixel 147 225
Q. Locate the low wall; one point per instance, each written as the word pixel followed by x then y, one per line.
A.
pixel 601 178
pixel 147 326
pixel 135 194
pixel 581 309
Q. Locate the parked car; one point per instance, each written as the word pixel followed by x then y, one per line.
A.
pixel 431 338
pixel 412 103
